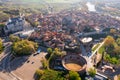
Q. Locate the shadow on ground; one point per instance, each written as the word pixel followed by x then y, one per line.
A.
pixel 14 64
pixel 18 62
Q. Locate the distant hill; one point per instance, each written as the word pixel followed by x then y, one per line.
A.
pixel 40 1
pixel 53 0
pixel 22 1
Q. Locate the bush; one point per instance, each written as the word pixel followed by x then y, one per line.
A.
pixel 49 50
pixel 110 59
pixel 101 50
pixel 114 60
pixel 45 63
pixel 39 73
pixel 51 75
pixel 92 72
pixel 74 75
pixel 14 38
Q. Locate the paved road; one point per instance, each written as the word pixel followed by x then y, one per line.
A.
pixel 97 49
pixel 5 73
pixel 110 75
pixel 84 53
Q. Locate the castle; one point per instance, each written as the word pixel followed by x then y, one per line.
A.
pixel 14 25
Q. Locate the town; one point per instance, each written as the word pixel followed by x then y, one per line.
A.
pixel 68 45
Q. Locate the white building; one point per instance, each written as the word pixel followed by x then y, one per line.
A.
pixel 14 25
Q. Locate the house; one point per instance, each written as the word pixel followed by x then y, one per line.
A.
pixel 14 25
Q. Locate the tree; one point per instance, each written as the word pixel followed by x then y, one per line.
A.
pixel 45 63
pixel 63 53
pixel 74 75
pixel 117 50
pixel 24 47
pixel 3 17
pixel 119 77
pixel 14 38
pixel 92 72
pixel 113 31
pixel 109 41
pixel 51 75
pixel 114 60
pixel 39 73
pixel 107 57
pixel 118 41
pixel 1 46
pixel 36 23
pixel 49 50
pixel 58 52
pixel 53 54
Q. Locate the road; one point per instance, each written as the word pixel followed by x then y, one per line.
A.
pixel 5 73
pixel 84 53
pixel 110 75
pixel 97 49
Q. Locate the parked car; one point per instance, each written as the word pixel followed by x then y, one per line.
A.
pixel 59 68
pixel 38 51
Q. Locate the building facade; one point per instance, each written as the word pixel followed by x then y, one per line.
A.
pixel 14 25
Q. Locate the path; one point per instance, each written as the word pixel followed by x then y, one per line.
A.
pixel 97 49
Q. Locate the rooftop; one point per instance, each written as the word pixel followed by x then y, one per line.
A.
pixel 86 39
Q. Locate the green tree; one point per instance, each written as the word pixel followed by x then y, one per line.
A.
pixel 113 31
pixel 63 53
pixel 3 17
pixel 119 77
pixel 24 47
pixel 92 72
pixel 118 41
pixel 74 75
pixel 39 73
pixel 49 50
pixel 14 38
pixel 114 60
pixel 1 46
pixel 117 50
pixel 36 23
pixel 109 41
pixel 45 63
pixel 58 52
pixel 51 75
pixel 107 57
pixel 53 54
